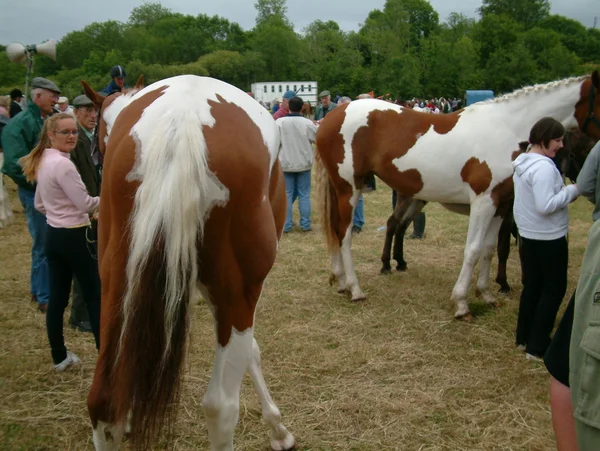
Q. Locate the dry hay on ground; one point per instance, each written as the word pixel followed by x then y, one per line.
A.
pixel 396 372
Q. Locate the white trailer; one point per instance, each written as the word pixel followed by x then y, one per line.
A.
pixel 269 91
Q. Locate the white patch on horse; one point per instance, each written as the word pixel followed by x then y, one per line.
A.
pixel 171 144
pixel 489 131
pixel 357 116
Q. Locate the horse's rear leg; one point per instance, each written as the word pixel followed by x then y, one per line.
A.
pixel 281 439
pixel 504 252
pixel 347 205
pixel 482 212
pixel 485 261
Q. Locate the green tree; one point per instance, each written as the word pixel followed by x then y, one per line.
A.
pixel 528 12
pixel 268 9
pixel 148 14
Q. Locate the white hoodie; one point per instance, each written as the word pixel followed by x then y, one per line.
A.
pixel 541 198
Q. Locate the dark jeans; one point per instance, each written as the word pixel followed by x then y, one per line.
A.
pixel 68 254
pixel 544 265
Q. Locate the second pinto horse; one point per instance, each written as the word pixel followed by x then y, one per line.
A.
pixel 462 158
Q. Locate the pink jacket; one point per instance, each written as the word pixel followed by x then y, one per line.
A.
pixel 60 194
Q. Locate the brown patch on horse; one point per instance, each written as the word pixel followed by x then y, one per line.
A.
pixel 582 107
pixel 477 174
pixel 503 195
pixel 335 192
pixel 236 277
pixel 389 135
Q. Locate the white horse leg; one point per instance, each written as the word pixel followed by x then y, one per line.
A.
pixel 221 402
pixel 281 439
pixel 337 271
pixel 482 212
pixel 107 437
pixel 346 251
pixel 489 245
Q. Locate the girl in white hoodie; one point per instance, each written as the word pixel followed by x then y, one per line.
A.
pixel 541 213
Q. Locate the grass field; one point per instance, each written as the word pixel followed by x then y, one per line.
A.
pixel 395 372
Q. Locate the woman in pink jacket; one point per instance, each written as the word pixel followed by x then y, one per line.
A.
pixel 63 198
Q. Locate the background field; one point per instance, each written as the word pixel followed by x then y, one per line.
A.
pixel 396 372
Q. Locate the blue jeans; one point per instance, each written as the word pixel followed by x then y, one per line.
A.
pixel 36 223
pixel 297 185
pixel 359 213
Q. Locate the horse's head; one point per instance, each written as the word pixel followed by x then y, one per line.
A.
pixel 587 110
pixel 570 159
pixel 105 106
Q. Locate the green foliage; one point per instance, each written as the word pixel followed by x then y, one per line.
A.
pixel 401 49
pixel 527 12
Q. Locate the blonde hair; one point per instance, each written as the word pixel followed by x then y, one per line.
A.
pixel 5 101
pixel 31 162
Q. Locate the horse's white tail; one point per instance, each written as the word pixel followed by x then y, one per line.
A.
pixel 166 227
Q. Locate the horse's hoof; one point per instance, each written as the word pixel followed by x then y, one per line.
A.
pixel 467 317
pixel 359 299
pixel 504 289
pixel 385 271
pixel 401 267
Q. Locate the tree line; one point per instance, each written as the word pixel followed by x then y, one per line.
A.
pixel 402 50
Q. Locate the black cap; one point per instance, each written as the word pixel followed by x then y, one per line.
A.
pixel 16 93
pixel 118 71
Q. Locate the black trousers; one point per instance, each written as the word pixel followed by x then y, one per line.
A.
pixel 69 255
pixel 544 265
pixel 557 356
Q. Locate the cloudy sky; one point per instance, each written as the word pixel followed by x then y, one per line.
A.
pixel 32 21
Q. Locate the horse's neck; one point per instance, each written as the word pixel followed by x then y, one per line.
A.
pixel 559 102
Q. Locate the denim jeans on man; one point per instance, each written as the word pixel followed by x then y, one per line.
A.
pixel 297 186
pixel 359 213
pixel 36 223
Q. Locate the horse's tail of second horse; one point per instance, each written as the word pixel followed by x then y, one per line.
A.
pixel 327 204
pixel 166 226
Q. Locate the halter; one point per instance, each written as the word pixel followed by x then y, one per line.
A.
pixel 591 116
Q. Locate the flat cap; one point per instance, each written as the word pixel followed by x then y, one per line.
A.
pixel 324 93
pixel 82 100
pixel 44 83
pixel 63 100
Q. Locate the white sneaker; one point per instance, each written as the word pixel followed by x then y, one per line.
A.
pixel 71 359
pixel 532 357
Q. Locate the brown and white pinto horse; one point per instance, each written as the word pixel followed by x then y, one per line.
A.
pixel 193 198
pixel 462 158
pixel 569 160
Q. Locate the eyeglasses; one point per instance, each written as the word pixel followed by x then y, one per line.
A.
pixel 68 132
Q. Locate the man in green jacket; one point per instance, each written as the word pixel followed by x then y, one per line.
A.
pixel 584 359
pixel 81 156
pixel 19 138
pixel 325 106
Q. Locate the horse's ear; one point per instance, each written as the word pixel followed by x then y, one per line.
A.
pixel 596 79
pixel 91 94
pixel 139 84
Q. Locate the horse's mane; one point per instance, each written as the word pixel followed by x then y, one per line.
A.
pixel 551 86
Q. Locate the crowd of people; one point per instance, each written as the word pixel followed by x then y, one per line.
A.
pixel 49 154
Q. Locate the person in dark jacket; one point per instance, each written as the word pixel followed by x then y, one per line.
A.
pixel 15 102
pixel 118 75
pixel 19 137
pixel 81 156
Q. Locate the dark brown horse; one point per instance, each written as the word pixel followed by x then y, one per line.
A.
pixel 569 160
